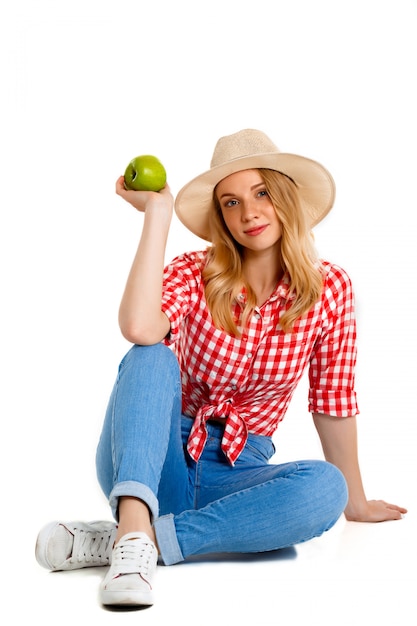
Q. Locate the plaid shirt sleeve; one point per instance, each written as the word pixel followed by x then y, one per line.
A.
pixel 332 364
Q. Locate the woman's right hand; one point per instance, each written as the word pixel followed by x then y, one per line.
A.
pixel 142 200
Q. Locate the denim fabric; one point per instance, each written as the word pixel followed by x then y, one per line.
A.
pixel 209 506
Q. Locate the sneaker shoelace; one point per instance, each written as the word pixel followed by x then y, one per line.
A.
pixel 92 546
pixel 133 556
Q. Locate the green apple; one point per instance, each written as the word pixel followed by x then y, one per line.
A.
pixel 145 173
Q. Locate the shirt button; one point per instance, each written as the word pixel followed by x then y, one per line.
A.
pixel 248 355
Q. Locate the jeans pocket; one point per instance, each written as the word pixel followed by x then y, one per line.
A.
pixel 258 447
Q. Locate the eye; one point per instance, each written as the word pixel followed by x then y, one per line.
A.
pixel 262 192
pixel 231 203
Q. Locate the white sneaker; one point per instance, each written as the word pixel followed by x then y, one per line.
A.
pixel 129 579
pixel 73 545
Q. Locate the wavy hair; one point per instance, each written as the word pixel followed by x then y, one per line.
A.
pixel 223 274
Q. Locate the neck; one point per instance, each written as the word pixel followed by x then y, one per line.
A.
pixel 262 273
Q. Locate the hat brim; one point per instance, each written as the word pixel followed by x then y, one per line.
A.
pixel 315 185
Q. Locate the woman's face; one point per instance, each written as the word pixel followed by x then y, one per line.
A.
pixel 248 211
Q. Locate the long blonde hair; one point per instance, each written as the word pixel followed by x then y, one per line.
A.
pixel 223 274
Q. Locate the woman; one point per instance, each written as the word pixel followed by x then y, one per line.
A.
pixel 221 338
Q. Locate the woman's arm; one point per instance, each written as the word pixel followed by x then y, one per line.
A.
pixel 140 317
pixel 338 436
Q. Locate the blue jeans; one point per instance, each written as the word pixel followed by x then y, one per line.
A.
pixel 209 506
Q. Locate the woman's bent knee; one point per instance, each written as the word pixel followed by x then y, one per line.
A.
pixel 158 351
pixel 157 358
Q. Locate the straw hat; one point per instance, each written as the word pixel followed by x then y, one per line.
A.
pixel 250 149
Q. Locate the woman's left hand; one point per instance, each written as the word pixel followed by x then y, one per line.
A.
pixel 375 511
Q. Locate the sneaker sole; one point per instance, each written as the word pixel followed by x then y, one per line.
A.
pixel 42 545
pixel 129 597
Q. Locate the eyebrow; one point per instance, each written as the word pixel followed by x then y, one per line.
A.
pixel 232 195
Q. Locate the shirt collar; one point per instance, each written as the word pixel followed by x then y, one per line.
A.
pixel 282 290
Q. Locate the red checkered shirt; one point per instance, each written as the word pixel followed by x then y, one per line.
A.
pixel 250 380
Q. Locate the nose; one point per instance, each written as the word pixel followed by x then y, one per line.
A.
pixel 249 211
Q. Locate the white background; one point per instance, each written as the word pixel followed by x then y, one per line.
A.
pixel 88 85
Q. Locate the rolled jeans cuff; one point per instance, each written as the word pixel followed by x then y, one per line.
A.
pixel 136 490
pixel 166 536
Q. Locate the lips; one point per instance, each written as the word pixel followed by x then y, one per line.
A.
pixel 252 232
